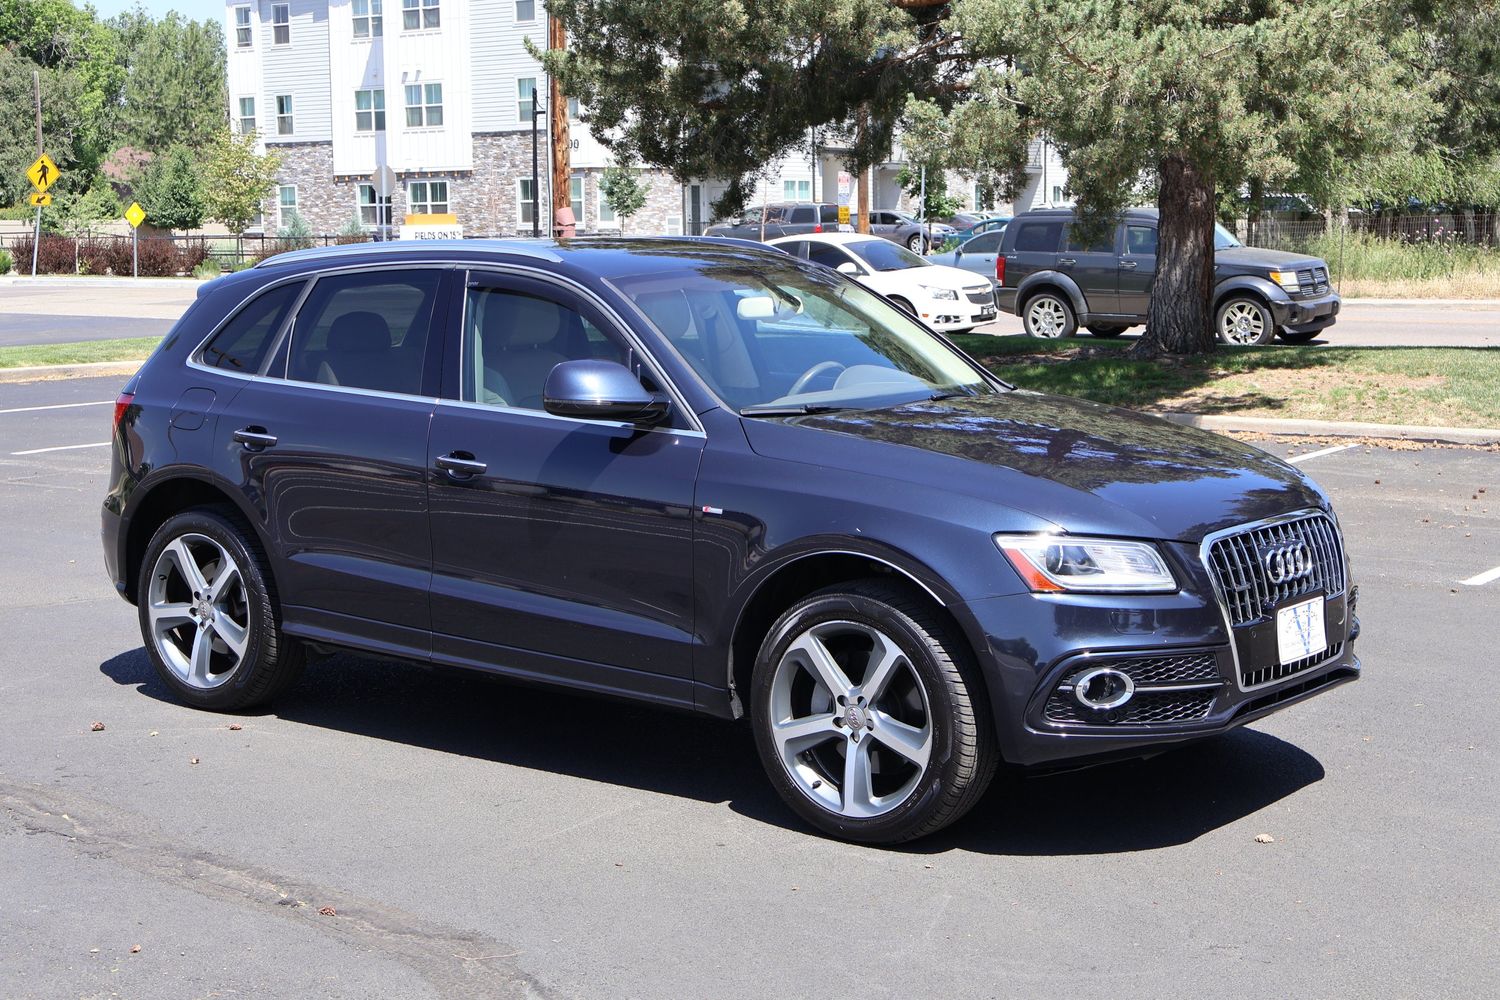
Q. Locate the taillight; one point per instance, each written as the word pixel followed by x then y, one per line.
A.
pixel 121 405
pixel 999 269
pixel 818 228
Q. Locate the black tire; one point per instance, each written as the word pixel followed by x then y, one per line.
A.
pixel 272 660
pixel 915 243
pixel 1305 337
pixel 1061 320
pixel 1244 321
pixel 1106 329
pixel 904 306
pixel 963 754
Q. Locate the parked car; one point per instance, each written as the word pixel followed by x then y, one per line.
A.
pixel 991 224
pixel 783 219
pixel 978 254
pixel 706 475
pixel 1055 284
pixel 960 221
pixel 898 227
pixel 944 298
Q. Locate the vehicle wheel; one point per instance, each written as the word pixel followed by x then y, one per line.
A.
pixel 1298 338
pixel 1106 329
pixel 904 306
pixel 1049 316
pixel 1244 321
pixel 209 615
pixel 869 715
pixel 915 243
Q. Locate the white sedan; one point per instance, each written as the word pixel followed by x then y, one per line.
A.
pixel 948 299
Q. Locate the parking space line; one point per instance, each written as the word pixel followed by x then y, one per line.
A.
pixel 1319 454
pixel 62 447
pixel 1479 580
pixel 56 406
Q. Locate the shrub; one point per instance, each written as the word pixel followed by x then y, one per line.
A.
pixel 54 257
pixel 4 262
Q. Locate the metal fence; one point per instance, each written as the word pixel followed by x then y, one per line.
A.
pixel 1457 229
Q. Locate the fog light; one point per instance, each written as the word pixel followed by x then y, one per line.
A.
pixel 1103 689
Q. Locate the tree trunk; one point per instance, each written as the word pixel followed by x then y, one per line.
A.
pixel 1179 320
pixel 1252 214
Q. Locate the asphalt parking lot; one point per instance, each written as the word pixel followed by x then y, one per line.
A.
pixel 475 839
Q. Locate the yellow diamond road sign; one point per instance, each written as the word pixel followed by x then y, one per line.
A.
pixel 135 215
pixel 40 200
pixel 43 173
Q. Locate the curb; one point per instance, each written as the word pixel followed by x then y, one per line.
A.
pixel 1418 303
pixel 1338 428
pixel 86 369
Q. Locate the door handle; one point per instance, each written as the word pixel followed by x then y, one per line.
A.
pixel 1129 264
pixel 1067 260
pixel 460 465
pixel 254 438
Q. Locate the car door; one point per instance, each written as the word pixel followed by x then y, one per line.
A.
pixel 979 254
pixel 1137 268
pixel 1095 266
pixel 884 224
pixel 331 448
pixel 561 546
pixel 1033 247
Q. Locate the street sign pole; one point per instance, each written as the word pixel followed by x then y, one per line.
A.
pixel 135 259
pixel 36 238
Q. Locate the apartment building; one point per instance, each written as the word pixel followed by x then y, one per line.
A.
pixel 385 109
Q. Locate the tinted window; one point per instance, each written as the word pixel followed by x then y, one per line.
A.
pixel 242 343
pixel 513 340
pixel 828 213
pixel 1140 240
pixel 826 254
pixel 797 248
pixel 984 243
pixel 1104 244
pixel 1040 237
pixel 883 255
pixel 365 331
pixel 804 214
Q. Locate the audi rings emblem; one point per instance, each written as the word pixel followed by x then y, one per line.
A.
pixel 1287 562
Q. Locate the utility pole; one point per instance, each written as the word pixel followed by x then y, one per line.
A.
pixel 562 163
pixel 865 174
pixel 536 202
pixel 36 238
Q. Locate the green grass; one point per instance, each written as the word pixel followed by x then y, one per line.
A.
pixel 1433 386
pixel 129 349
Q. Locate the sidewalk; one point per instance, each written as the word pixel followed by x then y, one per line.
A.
pixel 1338 428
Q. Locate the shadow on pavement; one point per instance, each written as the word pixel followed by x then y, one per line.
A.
pixel 1132 806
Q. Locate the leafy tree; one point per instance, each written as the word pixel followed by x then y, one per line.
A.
pixel 236 179
pixel 624 192
pixel 62 130
pixel 938 203
pixel 175 88
pixel 169 192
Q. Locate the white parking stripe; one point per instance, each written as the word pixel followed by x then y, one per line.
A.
pixel 62 447
pixel 1320 454
pixel 56 406
pixel 1488 576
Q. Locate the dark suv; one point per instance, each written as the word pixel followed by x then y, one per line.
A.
pixel 1056 284
pixel 792 218
pixel 710 476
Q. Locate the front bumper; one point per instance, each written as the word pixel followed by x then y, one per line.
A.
pixel 1306 315
pixel 1190 682
pixel 948 315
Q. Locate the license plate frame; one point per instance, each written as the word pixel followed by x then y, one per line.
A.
pixel 1301 629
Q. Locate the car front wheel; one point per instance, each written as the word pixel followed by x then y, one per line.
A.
pixel 1050 317
pixel 869 716
pixel 208 613
pixel 1244 321
pixel 915 243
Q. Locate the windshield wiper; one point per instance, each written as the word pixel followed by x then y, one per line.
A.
pixel 788 409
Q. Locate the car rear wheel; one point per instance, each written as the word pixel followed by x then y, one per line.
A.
pixel 869 717
pixel 208 613
pixel 1106 329
pixel 1049 316
pixel 1298 338
pixel 1244 321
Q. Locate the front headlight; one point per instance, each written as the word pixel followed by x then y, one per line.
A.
pixel 1052 563
pixel 940 293
pixel 1287 280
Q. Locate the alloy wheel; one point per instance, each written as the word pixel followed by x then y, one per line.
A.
pixel 850 719
pixel 1046 317
pixel 198 611
pixel 1242 323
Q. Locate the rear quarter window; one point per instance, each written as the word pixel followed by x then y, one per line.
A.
pixel 1038 237
pixel 804 214
pixel 828 213
pixel 242 343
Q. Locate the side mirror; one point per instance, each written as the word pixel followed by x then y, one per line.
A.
pixel 848 267
pixel 601 390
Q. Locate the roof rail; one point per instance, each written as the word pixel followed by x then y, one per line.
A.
pixel 538 249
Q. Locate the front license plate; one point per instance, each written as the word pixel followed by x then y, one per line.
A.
pixel 1299 630
pixel 984 315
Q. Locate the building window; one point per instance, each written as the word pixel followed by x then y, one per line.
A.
pixel 427 197
pixel 373 209
pixel 424 105
pixel 674 225
pixel 247 116
pixel 796 190
pixel 1057 194
pixel 419 14
pixel 242 30
pixel 524 201
pixel 573 109
pixel 368 22
pixel 369 111
pixel 575 196
pixel 525 99
pixel 284 114
pixel 525 10
pixel 286 204
pixel 281 23
pixel 606 214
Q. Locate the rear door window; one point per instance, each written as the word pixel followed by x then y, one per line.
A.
pixel 1038 237
pixel 366 330
pixel 1104 244
pixel 984 243
pixel 826 254
pixel 242 343
pixel 1140 240
pixel 828 213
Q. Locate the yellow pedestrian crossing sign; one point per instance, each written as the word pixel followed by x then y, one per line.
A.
pixel 135 215
pixel 43 173
pixel 40 200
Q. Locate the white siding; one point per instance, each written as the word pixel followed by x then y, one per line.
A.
pixel 357 64
pixel 300 69
pixel 244 67
pixel 422 57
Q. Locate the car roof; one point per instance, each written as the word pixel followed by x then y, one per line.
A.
pixel 1068 213
pixel 838 238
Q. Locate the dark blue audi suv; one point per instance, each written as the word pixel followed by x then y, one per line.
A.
pixel 707 475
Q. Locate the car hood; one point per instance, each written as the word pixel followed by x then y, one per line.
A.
pixel 1087 468
pixel 1258 257
pixel 944 276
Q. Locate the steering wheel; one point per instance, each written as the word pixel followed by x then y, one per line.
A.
pixel 812 373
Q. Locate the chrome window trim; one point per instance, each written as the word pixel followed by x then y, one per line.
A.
pixel 578 421
pixel 1213 580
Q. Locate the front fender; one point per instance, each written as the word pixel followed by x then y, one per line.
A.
pixel 1266 289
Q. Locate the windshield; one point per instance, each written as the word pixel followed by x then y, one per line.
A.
pixel 883 255
pixel 1223 239
pixel 792 338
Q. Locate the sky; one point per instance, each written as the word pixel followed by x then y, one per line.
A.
pixel 197 10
